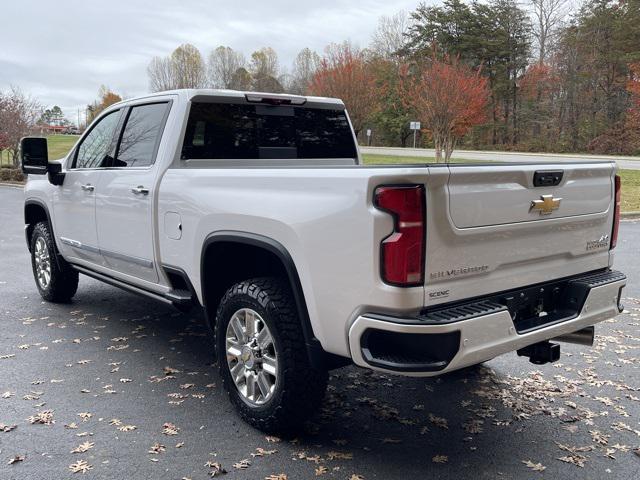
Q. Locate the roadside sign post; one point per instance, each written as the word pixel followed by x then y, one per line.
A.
pixel 415 126
pixel 368 137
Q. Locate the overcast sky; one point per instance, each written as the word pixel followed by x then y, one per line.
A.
pixel 61 52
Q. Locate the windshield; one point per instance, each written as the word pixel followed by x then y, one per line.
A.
pixel 241 131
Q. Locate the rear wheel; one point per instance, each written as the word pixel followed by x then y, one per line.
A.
pixel 262 356
pixel 56 280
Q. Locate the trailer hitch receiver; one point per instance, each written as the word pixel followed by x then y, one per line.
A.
pixel 541 353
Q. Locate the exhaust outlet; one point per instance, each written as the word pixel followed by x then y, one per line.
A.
pixel 586 337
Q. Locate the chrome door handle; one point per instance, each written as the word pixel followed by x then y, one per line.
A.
pixel 140 190
pixel 88 187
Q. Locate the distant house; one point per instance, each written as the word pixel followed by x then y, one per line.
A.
pixel 52 129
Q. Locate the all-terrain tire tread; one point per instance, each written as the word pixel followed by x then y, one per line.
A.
pixel 303 386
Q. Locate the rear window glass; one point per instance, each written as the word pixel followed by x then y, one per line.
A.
pixel 240 131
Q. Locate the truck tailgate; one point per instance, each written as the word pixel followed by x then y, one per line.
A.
pixel 494 228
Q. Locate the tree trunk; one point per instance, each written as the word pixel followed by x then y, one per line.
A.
pixel 437 143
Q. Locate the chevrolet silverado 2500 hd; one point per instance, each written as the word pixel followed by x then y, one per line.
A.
pixel 256 207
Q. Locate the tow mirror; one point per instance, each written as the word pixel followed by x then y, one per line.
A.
pixel 34 155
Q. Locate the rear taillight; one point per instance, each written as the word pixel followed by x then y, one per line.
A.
pixel 402 252
pixel 616 215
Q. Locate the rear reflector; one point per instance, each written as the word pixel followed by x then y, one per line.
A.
pixel 616 214
pixel 402 252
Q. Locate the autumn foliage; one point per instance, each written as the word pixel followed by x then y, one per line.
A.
pixel 448 96
pixel 633 114
pixel 345 73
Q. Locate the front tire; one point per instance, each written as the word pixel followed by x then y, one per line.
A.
pixel 56 280
pixel 262 356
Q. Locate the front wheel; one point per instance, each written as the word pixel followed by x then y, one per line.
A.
pixel 265 368
pixel 56 280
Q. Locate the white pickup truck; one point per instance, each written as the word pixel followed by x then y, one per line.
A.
pixel 256 207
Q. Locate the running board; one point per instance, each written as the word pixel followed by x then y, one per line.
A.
pixel 176 298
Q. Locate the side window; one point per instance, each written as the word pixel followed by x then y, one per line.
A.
pixel 95 148
pixel 140 136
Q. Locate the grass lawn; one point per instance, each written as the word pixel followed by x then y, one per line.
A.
pixel 630 178
pixel 59 145
pixel 373 159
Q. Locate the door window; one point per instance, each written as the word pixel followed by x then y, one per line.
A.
pixel 95 149
pixel 140 137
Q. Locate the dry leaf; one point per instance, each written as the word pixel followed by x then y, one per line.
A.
pixel 157 448
pixel 440 459
pixel 170 429
pixel 242 464
pixel 321 470
pixel 216 468
pixel 83 447
pixel 7 428
pixel 43 418
pixel 536 467
pixel 16 459
pixel 85 416
pixel 81 466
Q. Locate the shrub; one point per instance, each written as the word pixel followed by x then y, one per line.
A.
pixel 11 175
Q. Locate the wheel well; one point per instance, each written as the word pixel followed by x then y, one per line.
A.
pixel 33 214
pixel 226 263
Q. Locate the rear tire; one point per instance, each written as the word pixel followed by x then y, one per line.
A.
pixel 262 356
pixel 56 280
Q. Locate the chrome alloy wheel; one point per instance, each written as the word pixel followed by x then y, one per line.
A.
pixel 43 263
pixel 251 356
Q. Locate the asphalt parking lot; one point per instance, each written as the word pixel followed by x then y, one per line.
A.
pixel 117 386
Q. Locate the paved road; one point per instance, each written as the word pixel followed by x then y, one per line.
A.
pixel 103 356
pixel 632 163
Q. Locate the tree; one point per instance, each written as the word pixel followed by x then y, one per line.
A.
pixel 106 98
pixel 448 96
pixel 184 68
pixel 188 66
pixel 345 73
pixel 264 70
pixel 161 74
pixel 223 64
pixel 494 35
pixel 18 116
pixel 390 37
pixel 241 79
pixel 304 68
pixel 548 16
pixel 391 121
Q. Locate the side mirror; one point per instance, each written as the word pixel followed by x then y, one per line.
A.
pixel 34 155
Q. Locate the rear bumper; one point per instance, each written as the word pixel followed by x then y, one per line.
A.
pixel 470 333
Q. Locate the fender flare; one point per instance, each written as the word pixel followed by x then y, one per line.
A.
pixel 318 357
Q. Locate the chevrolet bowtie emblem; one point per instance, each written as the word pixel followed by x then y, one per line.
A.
pixel 546 205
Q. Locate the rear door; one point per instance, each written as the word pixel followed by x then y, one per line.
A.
pixel 493 228
pixel 124 204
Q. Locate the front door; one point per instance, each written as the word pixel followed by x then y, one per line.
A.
pixel 74 202
pixel 124 204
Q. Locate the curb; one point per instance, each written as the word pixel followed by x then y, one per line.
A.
pixel 630 215
pixel 11 184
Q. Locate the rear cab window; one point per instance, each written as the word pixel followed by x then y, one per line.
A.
pixel 247 131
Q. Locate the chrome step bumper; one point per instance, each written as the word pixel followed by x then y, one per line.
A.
pixel 456 337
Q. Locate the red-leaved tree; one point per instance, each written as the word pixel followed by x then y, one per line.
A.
pixel 632 123
pixel 345 73
pixel 448 97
